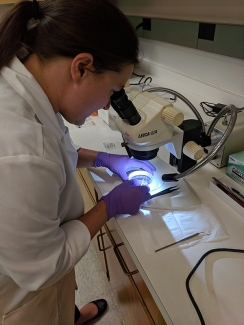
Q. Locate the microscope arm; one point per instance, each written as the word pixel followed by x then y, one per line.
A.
pixel 185 100
pixel 233 111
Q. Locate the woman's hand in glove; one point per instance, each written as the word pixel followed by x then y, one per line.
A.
pixel 119 164
pixel 126 198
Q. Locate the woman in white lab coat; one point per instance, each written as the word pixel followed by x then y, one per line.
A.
pixel 58 58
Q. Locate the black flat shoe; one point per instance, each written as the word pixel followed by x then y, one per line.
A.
pixel 101 306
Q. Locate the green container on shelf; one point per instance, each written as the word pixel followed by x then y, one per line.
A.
pixel 235 167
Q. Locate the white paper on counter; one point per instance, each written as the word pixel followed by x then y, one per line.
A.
pixel 164 228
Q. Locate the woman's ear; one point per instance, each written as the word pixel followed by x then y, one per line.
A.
pixel 81 69
pixel 81 65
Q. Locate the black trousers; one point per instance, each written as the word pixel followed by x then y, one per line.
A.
pixel 77 313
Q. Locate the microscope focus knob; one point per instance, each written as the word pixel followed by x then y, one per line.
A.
pixel 172 116
pixel 192 150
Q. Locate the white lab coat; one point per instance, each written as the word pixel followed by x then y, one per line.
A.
pixel 40 200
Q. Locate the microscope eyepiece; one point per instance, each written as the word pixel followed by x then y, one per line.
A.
pixel 124 107
pixel 128 112
pixel 117 95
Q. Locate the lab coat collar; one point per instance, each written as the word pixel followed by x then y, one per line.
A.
pixel 26 85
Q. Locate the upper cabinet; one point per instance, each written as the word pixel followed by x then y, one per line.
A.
pixel 215 26
pixel 208 11
pixel 3 2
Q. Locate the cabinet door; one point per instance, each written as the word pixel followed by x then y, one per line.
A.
pixel 131 289
pixel 134 299
pixel 125 294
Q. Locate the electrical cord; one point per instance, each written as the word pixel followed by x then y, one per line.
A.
pixel 205 106
pixel 139 26
pixel 195 268
pixel 212 109
pixel 140 82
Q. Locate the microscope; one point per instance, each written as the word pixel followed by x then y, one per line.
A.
pixel 147 121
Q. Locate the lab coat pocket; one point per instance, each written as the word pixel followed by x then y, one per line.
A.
pixel 41 310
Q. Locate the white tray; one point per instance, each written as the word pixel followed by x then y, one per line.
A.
pixel 224 196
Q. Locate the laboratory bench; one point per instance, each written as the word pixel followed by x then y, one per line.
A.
pixel 217 285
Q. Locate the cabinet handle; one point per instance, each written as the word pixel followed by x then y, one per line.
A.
pixel 122 261
pixel 101 247
pixel 96 195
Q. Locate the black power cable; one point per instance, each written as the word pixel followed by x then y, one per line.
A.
pixel 140 82
pixel 212 109
pixel 193 271
pixel 139 26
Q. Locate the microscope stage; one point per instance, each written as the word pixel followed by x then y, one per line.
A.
pixel 184 198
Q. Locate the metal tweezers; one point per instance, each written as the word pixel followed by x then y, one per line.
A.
pixel 166 191
pixel 178 241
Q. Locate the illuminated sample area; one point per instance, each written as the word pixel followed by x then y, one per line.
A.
pixel 154 183
pixel 184 198
pixel 144 177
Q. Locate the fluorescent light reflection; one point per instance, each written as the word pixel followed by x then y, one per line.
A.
pixel 146 213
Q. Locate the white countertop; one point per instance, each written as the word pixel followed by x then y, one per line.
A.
pixel 217 285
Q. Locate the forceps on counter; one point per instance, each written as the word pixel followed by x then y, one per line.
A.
pixel 166 191
pixel 178 241
pixel 182 239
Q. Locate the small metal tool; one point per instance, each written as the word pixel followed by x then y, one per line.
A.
pixel 217 181
pixel 178 241
pixel 238 193
pixel 229 191
pixel 166 191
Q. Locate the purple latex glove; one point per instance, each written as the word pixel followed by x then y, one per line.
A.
pixel 119 164
pixel 126 198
